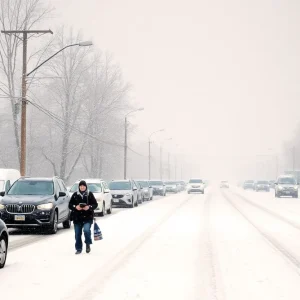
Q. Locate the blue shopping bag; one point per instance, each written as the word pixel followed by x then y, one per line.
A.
pixel 97 232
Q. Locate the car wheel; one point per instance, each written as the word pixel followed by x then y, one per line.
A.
pixel 3 251
pixel 132 203
pixel 109 211
pixel 67 223
pixel 136 203
pixel 54 225
pixel 102 214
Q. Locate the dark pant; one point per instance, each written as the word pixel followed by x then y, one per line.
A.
pixel 78 233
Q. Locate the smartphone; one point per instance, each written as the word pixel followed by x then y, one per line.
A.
pixel 82 205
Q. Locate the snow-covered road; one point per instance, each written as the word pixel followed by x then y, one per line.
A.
pixel 214 246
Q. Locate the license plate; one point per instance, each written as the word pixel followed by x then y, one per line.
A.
pixel 116 200
pixel 19 218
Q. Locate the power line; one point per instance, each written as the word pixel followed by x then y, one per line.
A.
pixel 60 122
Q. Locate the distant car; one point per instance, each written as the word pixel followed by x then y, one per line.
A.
pixel 124 193
pixel 147 188
pixel 140 190
pixel 182 185
pixel 3 243
pixel 36 203
pixel 272 184
pixel 173 186
pixel 249 185
pixel 286 186
pixel 196 185
pixel 159 188
pixel 224 184
pixel 262 185
pixel 101 192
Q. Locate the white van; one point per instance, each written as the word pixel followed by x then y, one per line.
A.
pixel 8 178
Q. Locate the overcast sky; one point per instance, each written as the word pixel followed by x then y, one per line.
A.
pixel 222 77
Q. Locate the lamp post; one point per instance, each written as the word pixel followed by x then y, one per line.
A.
pixel 125 140
pixel 149 158
pixel 161 175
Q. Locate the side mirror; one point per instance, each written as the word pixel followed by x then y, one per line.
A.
pixel 106 191
pixel 62 194
pixel 134 189
pixel 150 187
pixel 2 194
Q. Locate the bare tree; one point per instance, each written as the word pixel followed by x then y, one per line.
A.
pixel 106 103
pixel 16 15
pixel 66 96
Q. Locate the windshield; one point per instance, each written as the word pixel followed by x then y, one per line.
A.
pixel 287 180
pixel 1 185
pixel 195 181
pixel 156 182
pixel 32 188
pixel 171 182
pixel 144 184
pixel 262 182
pixel 121 185
pixel 93 187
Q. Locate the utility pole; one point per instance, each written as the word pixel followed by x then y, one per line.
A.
pixel 175 168
pixel 149 159
pixel 125 150
pixel 24 90
pixel 169 167
pixel 161 175
pixel 294 162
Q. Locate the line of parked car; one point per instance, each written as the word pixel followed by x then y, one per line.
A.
pixel 43 203
pixel 286 185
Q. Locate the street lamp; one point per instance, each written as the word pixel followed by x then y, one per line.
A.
pixel 161 175
pixel 24 88
pixel 125 140
pixel 80 44
pixel 150 149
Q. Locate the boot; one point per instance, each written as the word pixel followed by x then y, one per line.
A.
pixel 88 248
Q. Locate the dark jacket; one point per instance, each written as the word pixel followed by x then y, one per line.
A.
pixel 79 216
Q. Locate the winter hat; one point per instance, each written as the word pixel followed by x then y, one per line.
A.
pixel 82 182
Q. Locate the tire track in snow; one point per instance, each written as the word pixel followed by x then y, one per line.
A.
pixel 269 211
pixel 216 287
pixel 89 288
pixel 270 239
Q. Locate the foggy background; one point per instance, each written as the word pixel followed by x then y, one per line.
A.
pixel 221 77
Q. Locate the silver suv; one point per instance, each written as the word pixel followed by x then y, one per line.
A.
pixel 124 193
pixel 286 186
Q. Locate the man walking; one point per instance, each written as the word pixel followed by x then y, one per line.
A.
pixel 82 205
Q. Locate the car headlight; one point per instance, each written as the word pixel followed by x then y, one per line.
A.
pixel 46 206
pixel 160 188
pixel 296 187
pixel 2 207
pixel 280 187
pixel 146 190
pixel 128 195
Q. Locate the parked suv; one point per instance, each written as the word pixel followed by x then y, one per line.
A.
pixel 124 193
pixel 173 186
pixel 286 186
pixel 3 243
pixel 159 188
pixel 101 192
pixel 147 188
pixel 36 203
